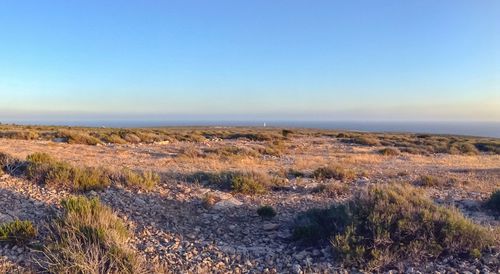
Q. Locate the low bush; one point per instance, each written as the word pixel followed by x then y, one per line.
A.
pixel 366 140
pixel 266 212
pixel 494 201
pixel 78 137
pixel 249 183
pixel 333 172
pixel 383 225
pixel 209 200
pixel 389 151
pixel 145 180
pixel 17 232
pixel 428 181
pixel 89 238
pixel 42 168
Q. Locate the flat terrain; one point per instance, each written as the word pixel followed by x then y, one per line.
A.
pixel 173 226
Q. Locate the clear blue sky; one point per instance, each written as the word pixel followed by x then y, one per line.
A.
pixel 267 59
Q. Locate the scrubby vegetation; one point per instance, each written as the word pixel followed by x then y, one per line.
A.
pixel 145 180
pixel 333 172
pixel 266 212
pixel 388 151
pixel 428 181
pixel 249 183
pixel 387 224
pixel 89 238
pixel 494 202
pixel 44 169
pixel 17 232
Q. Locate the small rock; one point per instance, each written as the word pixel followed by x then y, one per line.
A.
pixel 270 226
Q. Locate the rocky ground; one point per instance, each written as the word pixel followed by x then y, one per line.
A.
pixel 172 227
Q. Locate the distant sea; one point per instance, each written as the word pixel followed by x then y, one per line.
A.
pixel 484 129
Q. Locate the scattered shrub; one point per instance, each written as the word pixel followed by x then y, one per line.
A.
pixel 494 201
pixel 145 180
pixel 428 181
pixel 17 232
pixel 266 212
pixel 383 225
pixel 113 139
pixel 333 172
pixel 89 238
pixel 367 140
pixel 240 182
pixel 78 137
pixel 286 133
pixel 247 184
pixel 43 169
pixel 209 200
pixel 389 151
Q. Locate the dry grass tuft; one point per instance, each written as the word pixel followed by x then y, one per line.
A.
pixel 89 238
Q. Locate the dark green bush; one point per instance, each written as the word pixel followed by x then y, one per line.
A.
pixel 266 212
pixel 383 225
pixel 494 201
pixel 17 232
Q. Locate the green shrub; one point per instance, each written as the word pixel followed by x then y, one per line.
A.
pixel 145 180
pixel 89 238
pixel 494 201
pixel 266 212
pixel 45 170
pixel 389 151
pixel 239 182
pixel 247 184
pixel 383 225
pixel 17 232
pixel 333 172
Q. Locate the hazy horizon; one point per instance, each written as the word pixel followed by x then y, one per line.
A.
pixel 293 60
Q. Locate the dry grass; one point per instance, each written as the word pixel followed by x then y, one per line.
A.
pixel 89 238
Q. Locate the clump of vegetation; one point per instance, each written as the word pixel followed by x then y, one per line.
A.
pixel 249 183
pixel 492 147
pixel 145 180
pixel 266 212
pixel 389 151
pixel 333 172
pixel 44 169
pixel 428 181
pixel 78 137
pixel 17 232
pixel 286 132
pixel 293 173
pixel 209 200
pixel 89 238
pixel 229 152
pixel 366 140
pixel 382 225
pixel 494 201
